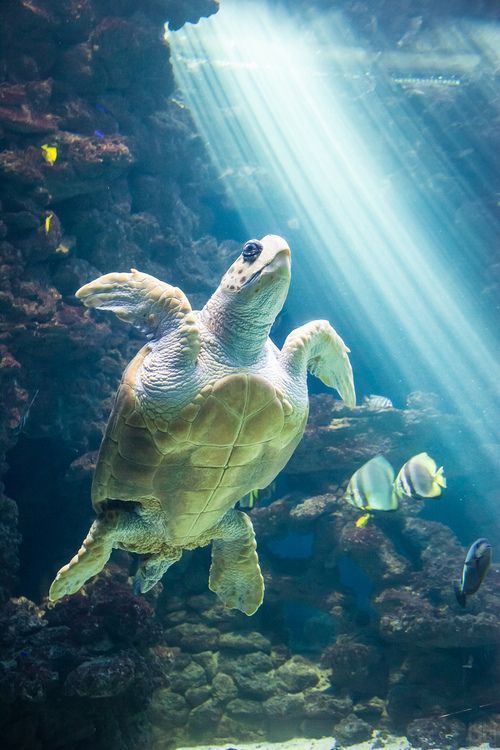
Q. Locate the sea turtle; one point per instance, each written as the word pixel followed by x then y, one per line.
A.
pixel 208 410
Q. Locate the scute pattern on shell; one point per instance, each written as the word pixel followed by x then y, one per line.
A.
pixel 199 461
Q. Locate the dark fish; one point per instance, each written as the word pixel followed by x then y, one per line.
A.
pixel 476 565
pixel 471 708
pixel 24 419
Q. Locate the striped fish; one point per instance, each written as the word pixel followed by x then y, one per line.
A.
pixel 377 403
pixel 371 486
pixel 420 477
pixel 261 496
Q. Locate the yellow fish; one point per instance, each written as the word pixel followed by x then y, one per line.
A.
pixel 48 220
pixel 361 522
pixel 49 153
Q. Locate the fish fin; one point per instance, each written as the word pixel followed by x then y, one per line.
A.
pixel 395 498
pixel 361 522
pixel 440 478
pixel 460 596
pixel 435 490
pixel 425 460
pixel 421 457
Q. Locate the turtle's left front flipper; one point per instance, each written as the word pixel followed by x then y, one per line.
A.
pixel 151 305
pixel 317 347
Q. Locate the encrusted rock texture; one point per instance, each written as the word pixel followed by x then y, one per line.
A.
pixel 101 169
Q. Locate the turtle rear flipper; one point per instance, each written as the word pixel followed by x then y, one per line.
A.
pixel 88 561
pixel 151 570
pixel 235 572
pixel 111 529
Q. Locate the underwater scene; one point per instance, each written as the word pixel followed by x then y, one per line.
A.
pixel 250 374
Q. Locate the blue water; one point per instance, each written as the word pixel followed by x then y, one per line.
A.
pixel 375 156
pixel 376 161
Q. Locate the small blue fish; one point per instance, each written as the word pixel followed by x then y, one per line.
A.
pixel 101 108
pixel 476 565
pixel 99 133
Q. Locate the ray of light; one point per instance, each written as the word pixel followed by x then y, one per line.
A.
pixel 314 141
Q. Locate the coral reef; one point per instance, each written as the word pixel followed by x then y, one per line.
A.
pixel 100 170
pixel 397 660
pixel 62 664
pixel 324 656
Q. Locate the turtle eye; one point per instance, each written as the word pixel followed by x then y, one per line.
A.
pixel 252 249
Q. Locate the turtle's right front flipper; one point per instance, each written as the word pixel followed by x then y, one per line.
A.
pixel 151 305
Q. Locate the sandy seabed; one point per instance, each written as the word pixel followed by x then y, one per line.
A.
pixel 395 743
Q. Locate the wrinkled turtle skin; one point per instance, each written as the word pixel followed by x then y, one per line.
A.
pixel 208 410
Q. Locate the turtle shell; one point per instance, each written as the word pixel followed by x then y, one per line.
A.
pixel 234 436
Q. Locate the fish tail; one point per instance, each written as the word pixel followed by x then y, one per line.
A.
pixel 398 492
pixel 440 478
pixel 461 597
pixel 395 497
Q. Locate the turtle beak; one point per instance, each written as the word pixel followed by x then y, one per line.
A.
pixel 280 266
pixel 252 278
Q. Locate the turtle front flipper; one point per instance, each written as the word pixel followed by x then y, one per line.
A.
pixel 151 305
pixel 235 573
pixel 317 347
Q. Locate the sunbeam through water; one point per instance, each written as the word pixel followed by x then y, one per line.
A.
pixel 332 145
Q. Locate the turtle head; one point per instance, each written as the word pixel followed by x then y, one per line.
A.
pixel 249 297
pixel 260 276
